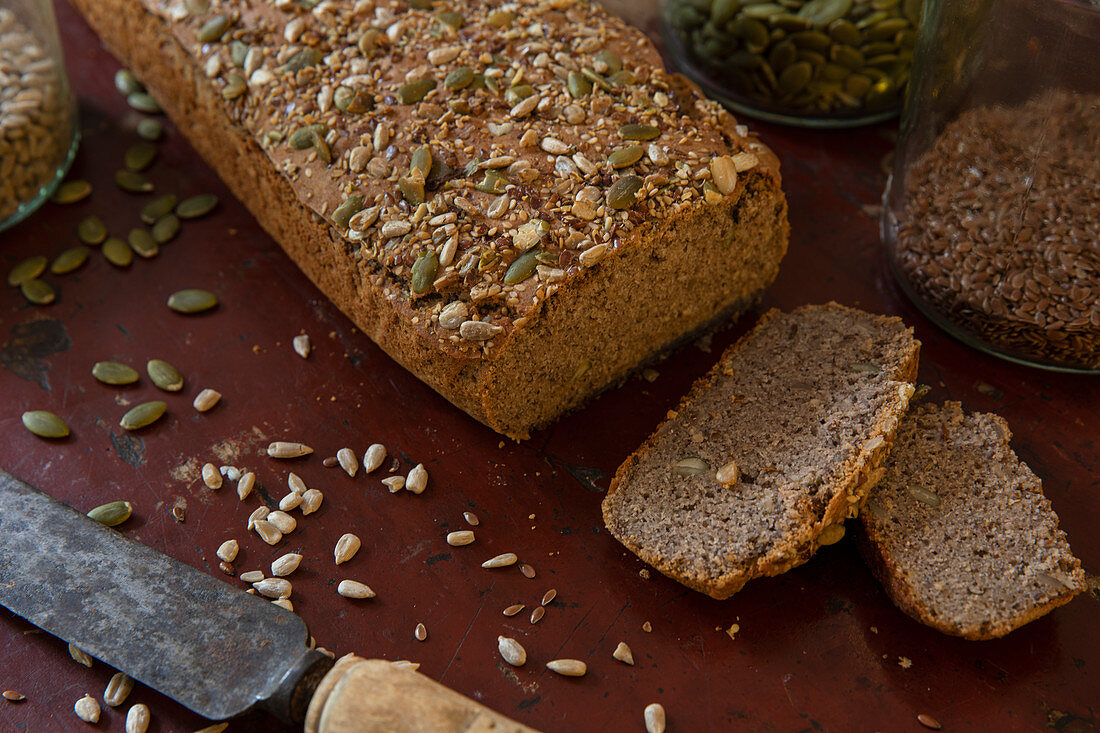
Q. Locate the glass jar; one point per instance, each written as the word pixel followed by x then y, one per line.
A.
pixel 38 130
pixel 991 216
pixel 815 63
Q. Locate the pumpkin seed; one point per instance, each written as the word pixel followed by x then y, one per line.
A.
pixel 795 77
pixel 235 86
pixel 302 60
pixel 143 415
pixel 117 252
pixel 143 102
pixel 453 19
pixel 342 214
pixel 38 292
pixel 302 138
pixel 91 230
pixel 132 181
pixel 460 78
pixel 213 29
pixel 166 229
pixel 415 91
pixel 623 192
pixel 28 269
pixel 412 189
pixel 158 208
pixel 624 157
pixel 126 83
pixel 578 85
pixel 197 206
pixel 523 268
pixel 423 272
pixel 140 155
pixel 112 514
pixel 112 372
pixel 763 10
pixel 844 31
pixel 70 192
pixel 69 260
pixel 45 424
pixel 690 466
pixel 501 18
pixel 634 131
pixel 191 300
pixel 824 12
pixel 164 375
pixel 354 101
pixel 142 243
pixel 324 153
pixel 924 495
pixel 494 182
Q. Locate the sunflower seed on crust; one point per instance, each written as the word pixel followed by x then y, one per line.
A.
pixel 394 483
pixel 252 576
pixel 290 501
pixel 87 709
pixel 80 656
pixel 268 532
pixel 296 484
pixel 118 689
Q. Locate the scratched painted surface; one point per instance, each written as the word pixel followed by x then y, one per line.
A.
pixel 819 648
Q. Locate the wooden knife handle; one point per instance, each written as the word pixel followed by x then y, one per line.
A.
pixel 366 695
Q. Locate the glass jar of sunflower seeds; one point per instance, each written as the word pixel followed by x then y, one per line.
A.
pixel 813 63
pixel 992 213
pixel 38 130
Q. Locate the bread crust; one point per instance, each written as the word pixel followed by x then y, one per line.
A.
pixel 746 233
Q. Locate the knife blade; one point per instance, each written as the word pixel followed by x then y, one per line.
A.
pixel 196 639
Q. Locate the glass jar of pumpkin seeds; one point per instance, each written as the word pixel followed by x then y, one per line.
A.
pixel 813 63
pixel 38 130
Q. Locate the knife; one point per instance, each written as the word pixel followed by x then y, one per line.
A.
pixel 192 637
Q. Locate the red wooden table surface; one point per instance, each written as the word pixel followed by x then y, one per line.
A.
pixel 820 648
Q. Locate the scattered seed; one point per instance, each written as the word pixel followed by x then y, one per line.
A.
pixel 290 502
pixel 197 206
pixel 729 474
pixel 91 230
pixel 404 664
pixel 112 513
pixel 513 610
pixel 690 466
pixel 13 696
pixel 623 654
pixel 512 651
pixel 132 181
pixel 537 614
pixel 285 564
pixel 142 243
pixel 27 270
pixel 273 588
pixel 471 519
pixel 143 415
pixel 928 721
pixel 460 538
pixel 179 513
pixel 252 576
pixel 282 521
pixel 245 485
pixel 296 484
pixel 654 718
pixel 118 689
pixel 500 561
pixel 417 480
pixel 192 301
pixel 639 132
pixel 623 192
pixel 164 375
pixel 568 667
pixel 283 449
pixel 45 424
pixel 137 719
pixel 527 570
pixel 213 29
pixel 112 372
pixel 346 547
pixel 924 495
pixel 69 260
pixel 211 476
pixel 80 656
pixel 355 589
pixel 38 292
pixel 268 532
pixel 420 632
pixel 139 156
pixel 284 603
pixel 347 460
pixel 206 399
pixel 149 129
pixel 70 192
pixel 311 501
pixel 374 457
pixel 329 462
pixel 228 550
pixel 647 627
pixel 394 483
pixel 143 102
pixel 166 229
pixel 117 252
pixel 87 709
pixel 831 535
pixel 302 346
pixel 549 596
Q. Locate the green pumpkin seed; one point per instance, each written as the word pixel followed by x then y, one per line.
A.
pixel 324 153
pixel 844 31
pixel 812 40
pixel 235 86
pixel 517 94
pixel 624 157
pixel 139 156
pixel 782 55
pixel 421 161
pixel 913 10
pixel 197 206
pixel 343 213
pixel 823 12
pixel 494 182
pixel 353 101
pixel 611 60
pixel 885 29
pixel 197 7
pixel 453 19
pixel 142 243
pixel 117 252
pixel 722 11
pixel 423 272
pixel 70 192
pixel 238 52
pixel 763 10
pixel 91 230
pixel 28 269
pixel 158 208
pixel 857 85
pixel 789 24
pixel 412 189
pixel 302 60
pixel 166 229
pixel 690 466
pixel 623 78
pixel 835 72
pixel 795 77
pixel 501 18
pixel 143 102
pixel 112 372
pixel 112 514
pixel 302 138
pixel 754 33
pixel 38 292
pixel 143 415
pixel 846 56
pixel 126 83
pixel 634 131
pixel 523 267
pixel 164 375
pixel 578 85
pixel 924 495
pixel 69 260
pixel 460 78
pixel 415 91
pixel 191 300
pixel 623 192
pixel 213 29
pixel 45 424
pixel 132 181
pixel 149 129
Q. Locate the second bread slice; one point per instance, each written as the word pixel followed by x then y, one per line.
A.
pixel 783 439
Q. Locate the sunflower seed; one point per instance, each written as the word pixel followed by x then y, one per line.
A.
pixel 285 564
pixel 654 718
pixel 164 375
pixel 311 501
pixel 268 532
pixel 196 206
pixel 117 252
pixel 500 561
pixel 568 667
pixel 80 656
pixel 69 260
pixel 112 513
pixel 512 651
pixel 143 415
pixel 149 129
pixel 374 457
pixel 723 172
pixel 527 570
pixel 137 719
pixel 211 476
pixel 257 514
pixel 228 550
pixel 290 502
pixel 283 449
pixel 513 610
pixel 132 181
pixel 355 589
pixel 27 270
pixel 282 521
pixel 285 603
pixel 301 345
pixel 87 709
pixel 623 654
pixel 924 495
pixel 273 588
pixel 460 538
pixel 13 696
pixel 45 424
pixel 70 192
pixel 252 576
pixel 394 483
pixel 537 614
pixel 245 485
pixel 206 399
pixel 346 547
pixel 91 230
pixel 471 519
pixel 347 460
pixel 118 689
pixel 420 632
pixel 690 466
pixel 417 479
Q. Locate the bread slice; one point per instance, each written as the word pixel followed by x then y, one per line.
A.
pixel 805 406
pixel 959 532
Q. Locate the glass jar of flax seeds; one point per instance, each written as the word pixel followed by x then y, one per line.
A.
pixel 992 213
pixel 38 131
pixel 813 63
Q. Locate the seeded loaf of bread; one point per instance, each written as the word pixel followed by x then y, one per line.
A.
pixel 959 531
pixel 515 201
pixel 770 452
